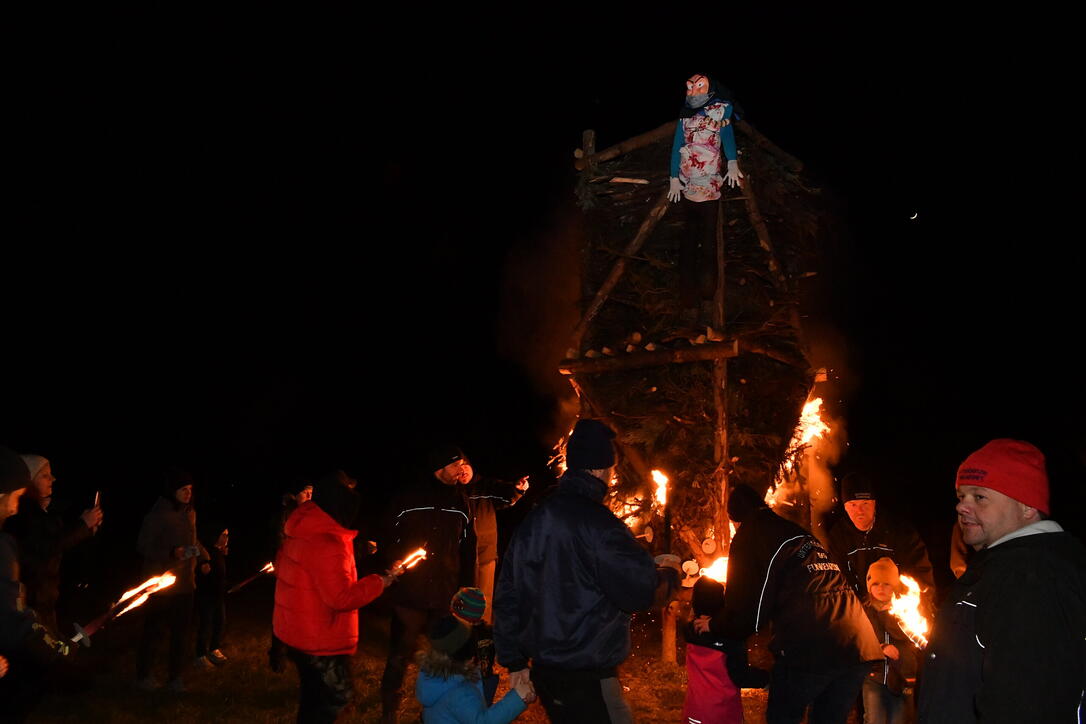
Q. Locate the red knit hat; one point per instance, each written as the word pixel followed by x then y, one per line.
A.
pixel 1012 467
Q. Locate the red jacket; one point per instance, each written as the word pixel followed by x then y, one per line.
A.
pixel 316 593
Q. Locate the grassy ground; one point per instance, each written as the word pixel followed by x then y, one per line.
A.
pixel 97 685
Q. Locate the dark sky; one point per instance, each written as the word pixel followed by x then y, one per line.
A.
pixel 259 246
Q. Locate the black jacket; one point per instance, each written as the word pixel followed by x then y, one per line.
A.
pixel 436 517
pixel 1008 642
pixel 571 577
pixel 485 496
pixel 897 674
pixel 855 551
pixel 778 572
pixel 42 537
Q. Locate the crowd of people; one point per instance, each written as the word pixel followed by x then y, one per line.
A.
pixel 1008 643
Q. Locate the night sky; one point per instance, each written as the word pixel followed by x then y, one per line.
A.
pixel 260 247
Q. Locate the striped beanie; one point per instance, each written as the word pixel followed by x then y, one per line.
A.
pixel 469 604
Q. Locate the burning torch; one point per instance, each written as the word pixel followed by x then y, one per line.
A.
pixel 140 593
pixel 906 609
pixel 269 567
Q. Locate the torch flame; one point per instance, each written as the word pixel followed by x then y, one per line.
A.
pixel 906 609
pixel 414 558
pixel 661 481
pixel 151 585
pixel 717 570
pixel 269 567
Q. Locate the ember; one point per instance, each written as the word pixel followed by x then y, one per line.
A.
pixel 906 609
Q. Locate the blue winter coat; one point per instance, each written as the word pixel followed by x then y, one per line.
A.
pixel 458 701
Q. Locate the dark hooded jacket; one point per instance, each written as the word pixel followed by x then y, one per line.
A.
pixel 571 577
pixel 168 526
pixel 43 538
pixel 1009 642
pixel 779 572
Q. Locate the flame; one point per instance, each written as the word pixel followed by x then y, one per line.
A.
pixel 269 567
pixel 151 585
pixel 810 423
pixel 731 530
pixel 717 570
pixel 661 481
pixel 771 496
pixel 414 558
pixel 906 609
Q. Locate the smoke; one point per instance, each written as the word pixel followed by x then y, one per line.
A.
pixel 540 295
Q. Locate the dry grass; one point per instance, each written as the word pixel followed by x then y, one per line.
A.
pixel 98 684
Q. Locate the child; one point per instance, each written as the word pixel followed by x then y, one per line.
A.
pixel 888 688
pixel 469 605
pixel 715 667
pixel 211 603
pixel 449 686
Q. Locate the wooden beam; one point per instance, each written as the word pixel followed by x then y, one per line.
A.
pixel 655 214
pixel 791 162
pixel 638 360
pixel 631 144
pixel 761 230
pixel 667 130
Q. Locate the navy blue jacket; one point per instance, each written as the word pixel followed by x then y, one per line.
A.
pixel 569 581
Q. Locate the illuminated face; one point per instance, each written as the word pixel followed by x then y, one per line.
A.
pixel 305 494
pixel 43 481
pixel 9 503
pixel 987 515
pixel 861 513
pixel 458 472
pixel 881 591
pixel 183 494
pixel 697 85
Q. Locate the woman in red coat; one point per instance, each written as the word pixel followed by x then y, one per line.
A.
pixel 317 596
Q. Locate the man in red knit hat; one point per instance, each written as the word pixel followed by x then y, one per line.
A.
pixel 1009 643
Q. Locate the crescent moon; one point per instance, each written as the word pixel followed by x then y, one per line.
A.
pixel 914 216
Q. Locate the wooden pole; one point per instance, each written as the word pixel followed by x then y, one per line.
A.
pixel 720 391
pixel 760 228
pixel 669 618
pixel 631 144
pixel 655 214
pixel 638 360
pixel 667 130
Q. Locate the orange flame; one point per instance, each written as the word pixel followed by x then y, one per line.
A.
pixel 906 609
pixel 717 570
pixel 661 481
pixel 414 558
pixel 810 423
pixel 269 567
pixel 151 585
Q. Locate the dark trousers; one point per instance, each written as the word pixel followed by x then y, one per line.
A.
pixel 165 612
pixel 830 693
pixel 697 252
pixel 211 614
pixel 578 697
pixel 407 625
pixel 326 686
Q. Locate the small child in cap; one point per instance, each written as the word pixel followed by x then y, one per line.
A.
pixel 469 605
pixel 449 684
pixel 716 667
pixel 888 688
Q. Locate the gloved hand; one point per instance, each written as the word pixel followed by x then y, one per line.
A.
pixel 675 190
pixel 734 174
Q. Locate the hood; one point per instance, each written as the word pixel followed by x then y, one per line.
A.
pixel 309 521
pixel 430 689
pixel 169 505
pixel 583 484
pixel 334 496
